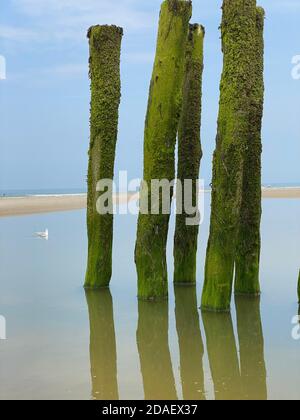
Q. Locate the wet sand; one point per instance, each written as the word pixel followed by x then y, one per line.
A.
pixel 18 206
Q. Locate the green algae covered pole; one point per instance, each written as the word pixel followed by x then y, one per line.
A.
pixel 189 157
pixel 238 41
pixel 105 46
pixel 159 145
pixel 249 240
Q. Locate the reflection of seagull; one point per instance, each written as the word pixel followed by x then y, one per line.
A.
pixel 44 235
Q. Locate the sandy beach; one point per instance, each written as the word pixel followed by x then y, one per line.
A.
pixel 292 192
pixel 19 206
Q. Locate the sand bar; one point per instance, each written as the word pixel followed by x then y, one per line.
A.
pixel 11 206
pixel 287 192
pixel 38 204
pixel 18 206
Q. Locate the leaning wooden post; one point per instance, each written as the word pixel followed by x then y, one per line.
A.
pixel 105 46
pixel 159 148
pixel 189 157
pixel 238 39
pixel 249 240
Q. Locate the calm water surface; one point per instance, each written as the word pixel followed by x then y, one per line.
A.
pixel 63 343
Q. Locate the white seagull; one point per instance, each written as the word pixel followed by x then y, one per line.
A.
pixel 44 235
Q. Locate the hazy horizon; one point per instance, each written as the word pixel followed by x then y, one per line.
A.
pixel 44 102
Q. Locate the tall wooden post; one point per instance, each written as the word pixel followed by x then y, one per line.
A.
pixel 161 128
pixel 105 47
pixel 189 157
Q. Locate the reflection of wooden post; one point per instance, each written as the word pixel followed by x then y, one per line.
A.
pixel 238 35
pixel 153 347
pixel 103 352
pixel 223 356
pixel 249 241
pixel 105 46
pixel 190 343
pixel 189 157
pixel 253 368
pixel 159 145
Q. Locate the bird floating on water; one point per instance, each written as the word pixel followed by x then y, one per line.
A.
pixel 44 235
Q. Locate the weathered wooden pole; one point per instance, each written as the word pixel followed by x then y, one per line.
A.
pixel 103 353
pixel 238 41
pixel 249 240
pixel 159 147
pixel 190 342
pixel 251 345
pixel 153 347
pixel 222 355
pixel 189 157
pixel 105 46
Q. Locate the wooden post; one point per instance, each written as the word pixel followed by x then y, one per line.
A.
pixel 105 46
pixel 189 158
pixel 249 240
pixel 161 128
pixel 238 42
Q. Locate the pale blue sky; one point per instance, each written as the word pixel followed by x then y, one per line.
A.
pixel 44 103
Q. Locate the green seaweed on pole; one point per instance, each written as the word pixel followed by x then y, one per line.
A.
pixel 249 240
pixel 238 41
pixel 189 158
pixel 105 48
pixel 164 107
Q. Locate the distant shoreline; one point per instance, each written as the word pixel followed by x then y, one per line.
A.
pixel 38 204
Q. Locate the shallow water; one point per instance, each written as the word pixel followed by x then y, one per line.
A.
pixel 63 343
